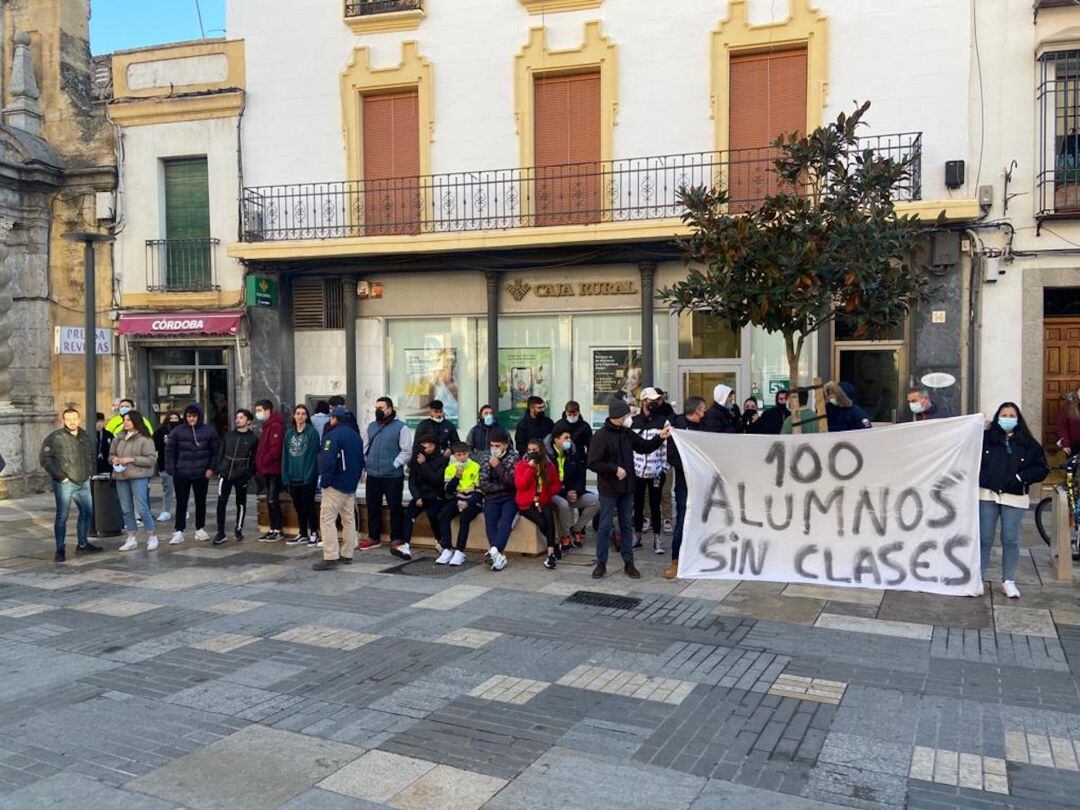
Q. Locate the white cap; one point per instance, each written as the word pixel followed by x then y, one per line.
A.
pixel 650 393
pixel 720 393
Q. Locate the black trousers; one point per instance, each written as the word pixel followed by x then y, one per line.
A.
pixel 545 520
pixel 655 488
pixel 303 498
pixel 225 488
pixel 184 488
pixel 464 517
pixel 432 507
pixel 391 489
pixel 272 484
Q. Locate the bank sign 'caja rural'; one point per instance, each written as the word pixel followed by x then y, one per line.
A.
pixel 893 507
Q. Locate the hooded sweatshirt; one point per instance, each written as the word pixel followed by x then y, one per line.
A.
pixel 299 462
pixel 271 442
pixel 719 419
pixel 771 421
pixel 191 450
pixel 845 414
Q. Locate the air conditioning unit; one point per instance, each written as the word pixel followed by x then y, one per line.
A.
pixel 105 205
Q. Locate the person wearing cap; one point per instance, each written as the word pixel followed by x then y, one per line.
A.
pixel 498 488
pixel 427 487
pixel 463 501
pixel 437 424
pixel 341 463
pixel 722 416
pixel 650 469
pixel 611 457
pixel 666 410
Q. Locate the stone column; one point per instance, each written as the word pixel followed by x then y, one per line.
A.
pixel 493 279
pixel 648 280
pixel 7 354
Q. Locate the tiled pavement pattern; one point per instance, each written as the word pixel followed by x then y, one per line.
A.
pixel 208 677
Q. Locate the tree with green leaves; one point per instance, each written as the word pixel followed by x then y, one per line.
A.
pixel 826 245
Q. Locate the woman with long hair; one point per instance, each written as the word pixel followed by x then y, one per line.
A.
pixel 133 457
pixel 1068 425
pixel 537 483
pixel 299 473
pixel 1012 462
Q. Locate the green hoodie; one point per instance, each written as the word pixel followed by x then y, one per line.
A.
pixel 299 456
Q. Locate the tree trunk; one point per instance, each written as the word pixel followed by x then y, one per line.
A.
pixel 793 379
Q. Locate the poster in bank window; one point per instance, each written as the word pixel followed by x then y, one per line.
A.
pixel 523 373
pixel 429 374
pixel 615 373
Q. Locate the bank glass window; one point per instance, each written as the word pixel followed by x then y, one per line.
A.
pixel 531 350
pixel 769 366
pixel 181 377
pixel 877 368
pixel 704 337
pixel 436 358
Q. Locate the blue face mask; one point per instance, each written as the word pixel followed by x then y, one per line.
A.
pixel 489 419
pixel 567 445
pixel 124 410
pixel 1008 423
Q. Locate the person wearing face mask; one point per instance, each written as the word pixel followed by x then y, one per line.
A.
pixel 571 466
pixel 722 416
pixel 611 457
pixel 1012 462
pixel 168 490
pixel 428 490
pixel 235 467
pixel 479 438
pixel 921 407
pixel 749 414
pixel 771 420
pixel 438 425
pixel 190 456
pixel 650 469
pixel 387 449
pixel 133 458
pixel 535 424
pixel 497 486
pixel 580 430
pixel 841 412
pixel 268 465
pixel 115 424
pixel 461 480
pixel 536 481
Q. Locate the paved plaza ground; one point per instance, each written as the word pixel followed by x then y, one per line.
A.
pixel 236 677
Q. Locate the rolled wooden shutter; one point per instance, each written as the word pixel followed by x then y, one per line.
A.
pixel 187 226
pixel 767 93
pixel 567 148
pixel 391 132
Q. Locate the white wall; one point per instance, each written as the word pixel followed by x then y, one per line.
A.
pixel 320 367
pixel 145 147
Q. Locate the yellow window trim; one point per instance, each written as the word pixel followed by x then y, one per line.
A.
pixel 805 27
pixel 182 300
pixel 552 6
pixel 596 52
pixel 390 21
pixel 359 79
pixel 232 50
pixel 171 110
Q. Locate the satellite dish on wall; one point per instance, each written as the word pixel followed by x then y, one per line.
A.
pixel 938 379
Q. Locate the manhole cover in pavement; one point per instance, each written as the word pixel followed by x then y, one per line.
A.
pixel 426 567
pixel 603 600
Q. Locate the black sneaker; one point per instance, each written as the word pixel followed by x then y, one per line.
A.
pixel 271 536
pixel 325 565
pixel 637 543
pixel 239 537
pixel 296 541
pixel 219 539
pixel 345 560
pixel 60 556
pixel 88 548
pixel 549 562
pixel 600 571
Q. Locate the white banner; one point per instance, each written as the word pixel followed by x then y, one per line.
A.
pixel 893 507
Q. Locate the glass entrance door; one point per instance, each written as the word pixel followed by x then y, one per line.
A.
pixel 699 381
pixel 180 377
pixel 876 372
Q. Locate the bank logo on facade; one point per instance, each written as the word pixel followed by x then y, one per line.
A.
pixel 518 288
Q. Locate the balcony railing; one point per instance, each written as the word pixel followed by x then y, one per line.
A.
pixel 181 265
pixel 632 189
pixel 362 8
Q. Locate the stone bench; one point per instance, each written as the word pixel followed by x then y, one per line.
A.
pixel 525 539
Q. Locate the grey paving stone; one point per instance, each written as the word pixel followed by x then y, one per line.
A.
pixel 856 787
pixel 866 753
pixel 319 799
pixel 63 789
pixel 725 794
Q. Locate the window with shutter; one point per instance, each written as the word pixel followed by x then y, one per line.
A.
pixel 187 225
pixel 391 143
pixel 318 304
pixel 767 99
pixel 569 179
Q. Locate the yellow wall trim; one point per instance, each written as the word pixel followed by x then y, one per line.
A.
pixel 955 210
pixel 359 78
pixel 233 50
pixel 536 59
pixel 389 21
pixel 449 242
pixel 170 110
pixel 182 300
pixel 805 27
pixel 552 6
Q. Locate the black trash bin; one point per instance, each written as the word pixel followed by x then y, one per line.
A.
pixel 108 519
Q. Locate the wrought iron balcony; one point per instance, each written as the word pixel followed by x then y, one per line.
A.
pixel 632 189
pixel 181 265
pixel 362 8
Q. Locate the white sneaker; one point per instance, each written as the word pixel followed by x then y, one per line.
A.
pixel 200 534
pixel 176 539
pixel 164 516
pixel 151 543
pixel 130 544
pixel 489 555
pixel 667 526
pixel 458 558
pixel 657 546
pixel 646 526
pixel 1010 590
pixel 498 560
pixel 445 557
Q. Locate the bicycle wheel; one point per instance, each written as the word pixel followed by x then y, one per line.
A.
pixel 1044 520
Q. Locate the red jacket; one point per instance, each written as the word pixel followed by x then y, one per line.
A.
pixel 1068 429
pixel 525 481
pixel 271 440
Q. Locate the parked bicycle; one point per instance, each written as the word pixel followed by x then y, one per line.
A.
pixel 1044 511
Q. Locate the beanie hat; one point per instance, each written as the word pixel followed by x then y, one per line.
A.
pixel 617 409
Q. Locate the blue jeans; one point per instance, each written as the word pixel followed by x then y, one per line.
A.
pixel 134 494
pixel 612 507
pixel 65 493
pixel 499 520
pixel 680 512
pixel 1011 518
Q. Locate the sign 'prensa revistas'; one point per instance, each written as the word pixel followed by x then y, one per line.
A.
pixel 893 507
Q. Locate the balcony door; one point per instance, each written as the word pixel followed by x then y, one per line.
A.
pixel 187 266
pixel 391 194
pixel 569 180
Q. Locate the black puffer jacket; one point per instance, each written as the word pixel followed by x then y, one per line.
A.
pixel 581 433
pixel 426 480
pixel 681 423
pixel 479 439
pixel 719 419
pixel 613 446
pixel 236 461
pixel 191 451
pixel 1011 465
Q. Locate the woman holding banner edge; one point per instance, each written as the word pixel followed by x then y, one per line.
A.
pixel 1012 461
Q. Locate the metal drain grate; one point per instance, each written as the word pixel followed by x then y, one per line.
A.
pixel 426 567
pixel 602 600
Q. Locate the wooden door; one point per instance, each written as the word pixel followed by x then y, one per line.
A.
pixel 1061 370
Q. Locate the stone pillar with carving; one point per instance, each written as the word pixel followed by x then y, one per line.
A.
pixel 7 353
pixel 23 111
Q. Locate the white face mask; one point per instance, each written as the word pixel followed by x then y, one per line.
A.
pixel 437 419
pixel 627 421
pixel 261 415
pixel 916 407
pixel 833 401
pixel 573 419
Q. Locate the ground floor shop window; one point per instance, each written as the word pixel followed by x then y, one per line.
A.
pixel 180 377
